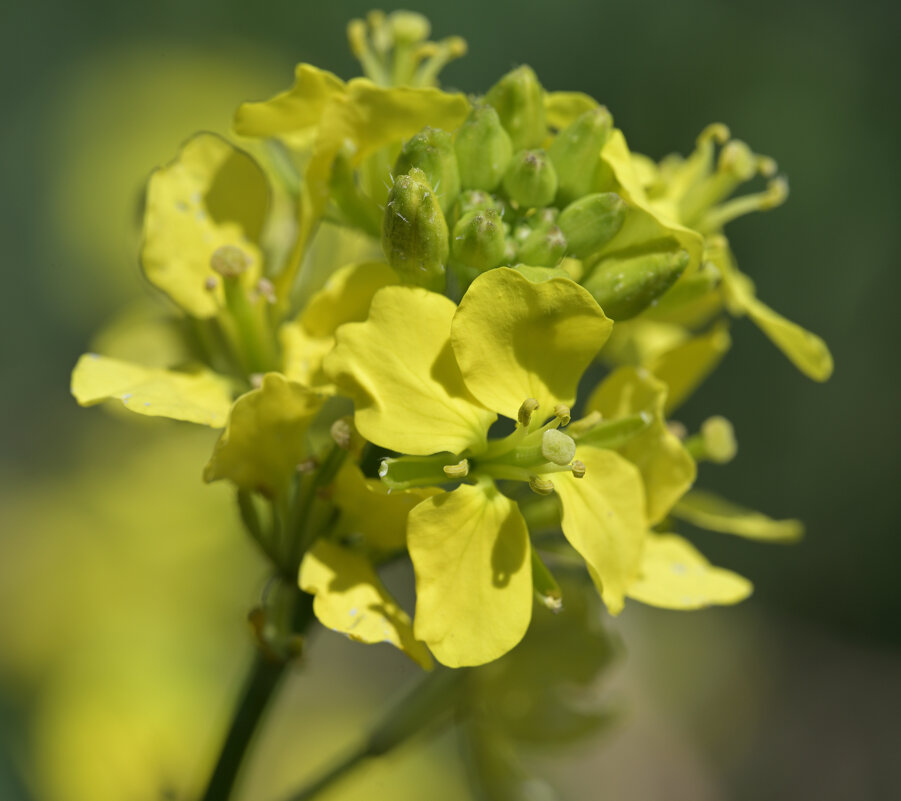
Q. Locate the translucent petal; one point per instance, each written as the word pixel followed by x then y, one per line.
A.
pixel 470 550
pixel 294 110
pixel 265 438
pixel 706 510
pixel 674 575
pixel 197 397
pixel 372 512
pixel 400 370
pixel 211 195
pixel 562 108
pixel 515 339
pixel 350 598
pixel 684 367
pixel 666 467
pixel 604 520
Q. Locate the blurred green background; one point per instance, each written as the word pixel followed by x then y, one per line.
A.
pixel 112 552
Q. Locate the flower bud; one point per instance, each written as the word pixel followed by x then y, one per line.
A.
pixel 591 222
pixel 432 151
pixel 543 247
pixel 519 101
pixel 476 200
pixel 576 152
pixel 483 150
pixel 479 239
pixel 625 288
pixel 414 232
pixel 530 180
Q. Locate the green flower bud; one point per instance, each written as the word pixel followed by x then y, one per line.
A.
pixel 519 101
pixel 432 151
pixel 592 222
pixel 544 246
pixel 576 152
pixel 546 216
pixel 625 288
pixel 483 150
pixel 476 200
pixel 539 274
pixel 530 180
pixel 479 239
pixel 414 232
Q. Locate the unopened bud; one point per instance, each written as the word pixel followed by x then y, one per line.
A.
pixel 519 101
pixel 719 439
pixel 529 406
pixel 557 447
pixel 483 150
pixel 432 151
pixel 576 152
pixel 479 240
pixel 591 222
pixel 578 469
pixel 540 485
pixel 476 200
pixel 530 180
pixel 414 232
pixel 229 261
pixel 543 247
pixel 624 288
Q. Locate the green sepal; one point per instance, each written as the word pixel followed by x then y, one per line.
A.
pixel 538 274
pixel 483 150
pixel 432 151
pixel 530 180
pixel 518 98
pixel 626 287
pixel 479 240
pixel 576 153
pixel 591 222
pixel 414 232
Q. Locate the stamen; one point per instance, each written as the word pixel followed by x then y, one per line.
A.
pixel 524 416
pixel 541 486
pixel 562 413
pixel 775 195
pixel 578 469
pixel 585 424
pixel 211 283
pixel 459 470
pixel 342 433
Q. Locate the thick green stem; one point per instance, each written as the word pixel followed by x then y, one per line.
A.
pixel 264 679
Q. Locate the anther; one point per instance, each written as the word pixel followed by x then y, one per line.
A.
pixel 256 380
pixel 540 485
pixel 211 283
pixel 578 469
pixel 341 432
pixel 562 413
pixel 266 290
pixel 719 439
pixel 459 470
pixel 229 261
pixel 529 405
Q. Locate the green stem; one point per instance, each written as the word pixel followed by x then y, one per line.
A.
pixel 265 677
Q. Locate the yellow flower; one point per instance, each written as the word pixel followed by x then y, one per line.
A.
pixel 429 379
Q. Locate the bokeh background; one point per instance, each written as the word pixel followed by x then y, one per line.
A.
pixel 123 582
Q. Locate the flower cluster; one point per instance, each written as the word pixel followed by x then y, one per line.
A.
pixel 452 329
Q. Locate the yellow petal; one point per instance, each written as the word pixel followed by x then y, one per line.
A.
pixel 666 467
pixel 674 575
pixel 346 297
pixel 198 397
pixel 291 111
pixel 515 339
pixel 562 108
pixel 706 510
pixel 684 367
pixel 400 370
pixel 303 355
pixel 372 512
pixel 604 520
pixel 211 195
pixel 350 598
pixel 470 549
pixel 265 438
pixel 808 352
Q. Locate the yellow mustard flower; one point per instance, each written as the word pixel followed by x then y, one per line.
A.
pixel 429 379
